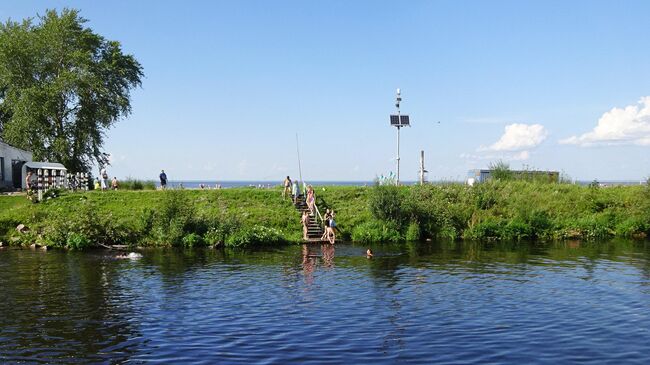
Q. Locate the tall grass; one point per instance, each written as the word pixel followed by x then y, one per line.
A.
pixel 509 210
pixel 135 184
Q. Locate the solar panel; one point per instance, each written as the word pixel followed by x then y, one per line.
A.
pixel 394 119
pixel 404 120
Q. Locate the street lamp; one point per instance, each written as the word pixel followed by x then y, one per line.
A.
pixel 398 120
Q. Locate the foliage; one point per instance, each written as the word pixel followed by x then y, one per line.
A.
pixel 413 232
pixel 500 170
pixel 135 184
pixel 386 203
pixel 61 87
pixel 192 240
pixel 377 231
pixel 256 235
pixel 495 210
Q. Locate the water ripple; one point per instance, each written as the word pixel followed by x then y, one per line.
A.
pixel 324 305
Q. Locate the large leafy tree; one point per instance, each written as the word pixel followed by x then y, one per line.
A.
pixel 62 86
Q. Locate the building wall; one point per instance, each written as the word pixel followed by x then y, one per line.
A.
pixel 9 154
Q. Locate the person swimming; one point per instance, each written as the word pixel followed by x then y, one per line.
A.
pixel 369 253
pixel 131 255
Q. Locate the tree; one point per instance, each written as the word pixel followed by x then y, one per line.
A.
pixel 62 86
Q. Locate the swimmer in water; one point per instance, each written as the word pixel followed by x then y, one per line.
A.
pixel 369 253
pixel 132 255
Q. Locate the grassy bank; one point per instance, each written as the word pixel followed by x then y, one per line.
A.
pixel 498 210
pixel 232 217
pixel 506 210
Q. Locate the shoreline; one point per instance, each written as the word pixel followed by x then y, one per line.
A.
pixel 246 217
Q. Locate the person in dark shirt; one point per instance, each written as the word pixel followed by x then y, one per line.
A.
pixel 163 180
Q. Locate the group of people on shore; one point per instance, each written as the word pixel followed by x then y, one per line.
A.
pixel 101 182
pixel 292 189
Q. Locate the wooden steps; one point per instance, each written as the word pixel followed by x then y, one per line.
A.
pixel 314 229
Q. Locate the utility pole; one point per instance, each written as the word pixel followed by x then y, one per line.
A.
pixel 422 170
pixel 398 120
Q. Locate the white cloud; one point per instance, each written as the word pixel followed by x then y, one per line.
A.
pixel 629 125
pixel 514 144
pixel 519 137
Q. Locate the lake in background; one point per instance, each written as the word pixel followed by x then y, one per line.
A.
pixel 441 302
pixel 211 184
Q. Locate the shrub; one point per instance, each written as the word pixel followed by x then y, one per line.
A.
pixel 385 203
pixel 501 171
pixel 135 184
pixel 77 241
pixel 376 231
pixel 192 240
pixel 413 232
pixel 255 236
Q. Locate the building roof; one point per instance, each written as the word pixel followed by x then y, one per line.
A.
pixel 45 165
pixel 16 148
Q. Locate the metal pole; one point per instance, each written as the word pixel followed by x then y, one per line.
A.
pixel 398 128
pixel 421 167
pixel 299 167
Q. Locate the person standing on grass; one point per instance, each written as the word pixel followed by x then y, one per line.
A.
pixel 295 191
pixel 163 180
pixel 104 178
pixel 114 183
pixel 287 187
pixel 28 183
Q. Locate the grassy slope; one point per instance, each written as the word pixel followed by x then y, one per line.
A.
pixel 570 210
pixel 249 206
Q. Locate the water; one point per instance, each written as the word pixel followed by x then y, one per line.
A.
pixel 195 184
pixel 438 303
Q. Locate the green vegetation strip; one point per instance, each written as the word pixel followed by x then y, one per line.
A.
pixel 495 210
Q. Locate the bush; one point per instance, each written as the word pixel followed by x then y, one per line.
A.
pixel 488 229
pixel 632 227
pixel 413 232
pixel 135 184
pixel 77 241
pixel 376 231
pixel 385 203
pixel 175 218
pixel 221 228
pixel 501 171
pixel 255 236
pixel 192 240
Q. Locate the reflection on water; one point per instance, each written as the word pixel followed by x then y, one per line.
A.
pixel 443 302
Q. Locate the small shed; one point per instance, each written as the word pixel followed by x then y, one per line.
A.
pixel 11 163
pixel 46 175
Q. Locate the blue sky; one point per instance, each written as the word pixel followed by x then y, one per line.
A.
pixel 556 85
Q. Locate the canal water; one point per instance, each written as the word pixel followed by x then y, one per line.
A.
pixel 443 303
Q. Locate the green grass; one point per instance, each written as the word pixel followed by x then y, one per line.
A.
pixel 496 210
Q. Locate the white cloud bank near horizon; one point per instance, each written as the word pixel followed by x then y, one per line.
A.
pixel 619 126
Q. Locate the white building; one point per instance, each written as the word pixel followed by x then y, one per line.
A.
pixel 12 160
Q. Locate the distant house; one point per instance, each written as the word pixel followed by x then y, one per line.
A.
pixel 12 160
pixel 481 175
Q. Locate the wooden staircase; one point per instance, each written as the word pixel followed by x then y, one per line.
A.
pixel 314 229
